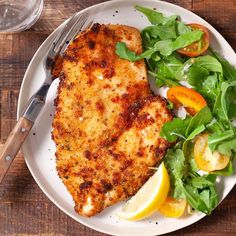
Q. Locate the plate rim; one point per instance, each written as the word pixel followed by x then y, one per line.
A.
pixel 20 107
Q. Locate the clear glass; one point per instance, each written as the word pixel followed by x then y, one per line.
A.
pixel 19 15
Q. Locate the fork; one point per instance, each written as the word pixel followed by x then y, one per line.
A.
pixel 24 124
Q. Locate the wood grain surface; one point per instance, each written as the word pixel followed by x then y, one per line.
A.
pixel 24 209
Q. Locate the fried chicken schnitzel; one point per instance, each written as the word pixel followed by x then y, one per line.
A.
pixel 107 121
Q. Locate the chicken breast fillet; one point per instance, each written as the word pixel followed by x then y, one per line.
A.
pixel 107 122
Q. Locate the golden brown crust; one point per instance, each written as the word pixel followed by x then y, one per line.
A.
pixel 107 122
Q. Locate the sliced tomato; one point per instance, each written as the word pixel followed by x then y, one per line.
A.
pixel 197 48
pixel 173 207
pixel 192 101
pixel 206 159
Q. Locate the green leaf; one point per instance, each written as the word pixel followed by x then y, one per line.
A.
pixel 192 135
pixel 182 28
pixel 209 63
pixel 195 132
pixel 203 117
pixel 155 17
pixel 210 88
pixel 201 193
pixel 166 31
pixel 228 70
pixel 175 164
pixel 217 138
pixel 168 66
pixel 174 129
pixel 123 52
pixel 189 156
pixel 163 81
pixel 215 126
pixel 194 199
pixel 228 97
pixel 197 75
pixel 196 70
pixel 188 128
pixel 202 182
pixel 180 42
pixel 227 147
pixel 210 198
pixel 147 40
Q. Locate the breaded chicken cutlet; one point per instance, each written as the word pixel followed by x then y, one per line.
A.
pixel 107 121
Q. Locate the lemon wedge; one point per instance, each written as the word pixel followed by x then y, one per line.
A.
pixel 149 198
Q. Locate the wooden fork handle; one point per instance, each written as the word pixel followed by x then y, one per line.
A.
pixel 14 141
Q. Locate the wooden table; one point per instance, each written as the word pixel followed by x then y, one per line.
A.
pixel 24 209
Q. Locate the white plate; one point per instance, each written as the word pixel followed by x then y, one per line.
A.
pixel 39 148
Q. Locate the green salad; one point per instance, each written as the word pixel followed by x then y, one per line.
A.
pixel 204 141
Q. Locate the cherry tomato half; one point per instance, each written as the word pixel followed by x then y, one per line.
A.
pixel 206 159
pixel 192 101
pixel 173 207
pixel 197 48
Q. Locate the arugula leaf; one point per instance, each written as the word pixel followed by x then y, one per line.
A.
pixel 123 52
pixel 196 70
pixel 197 75
pixel 227 147
pixel 210 198
pixel 201 193
pixel 147 40
pixel 209 63
pixel 210 88
pixel 166 31
pixel 217 138
pixel 161 81
pixel 195 132
pixel 155 17
pixel 228 70
pixel 219 114
pixel 180 42
pixel 192 135
pixel 182 28
pixel 194 199
pixel 228 98
pixel 189 157
pixel 202 182
pixel 174 129
pixel 215 126
pixel 203 117
pixel 188 128
pixel 168 66
pixel 175 164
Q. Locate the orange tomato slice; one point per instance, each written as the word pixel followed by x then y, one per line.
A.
pixel 189 98
pixel 173 207
pixel 197 48
pixel 206 159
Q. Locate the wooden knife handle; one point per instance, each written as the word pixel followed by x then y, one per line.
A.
pixel 14 141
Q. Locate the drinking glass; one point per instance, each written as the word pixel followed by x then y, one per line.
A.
pixel 19 15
